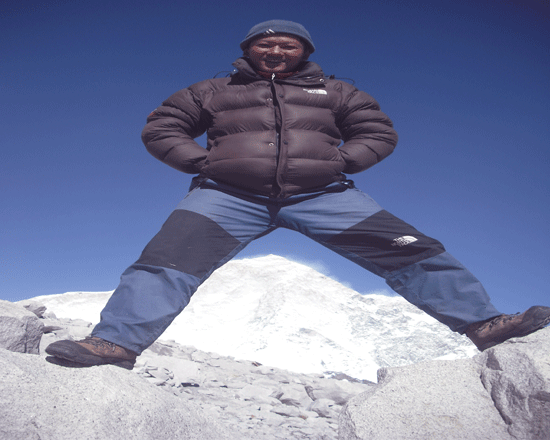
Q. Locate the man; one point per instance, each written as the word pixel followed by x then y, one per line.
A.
pixel 274 159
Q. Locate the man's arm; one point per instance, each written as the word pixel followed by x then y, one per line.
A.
pixel 367 133
pixel 171 129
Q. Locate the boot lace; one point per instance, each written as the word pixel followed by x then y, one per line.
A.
pixel 502 319
pixel 100 343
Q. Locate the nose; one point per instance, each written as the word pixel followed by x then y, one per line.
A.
pixel 275 49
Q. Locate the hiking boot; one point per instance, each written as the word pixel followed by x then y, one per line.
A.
pixel 486 334
pixel 92 351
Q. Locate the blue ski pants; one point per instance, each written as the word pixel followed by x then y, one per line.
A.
pixel 215 221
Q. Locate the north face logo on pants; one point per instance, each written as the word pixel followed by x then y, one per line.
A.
pixel 403 241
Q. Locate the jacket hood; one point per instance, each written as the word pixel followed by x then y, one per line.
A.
pixel 310 73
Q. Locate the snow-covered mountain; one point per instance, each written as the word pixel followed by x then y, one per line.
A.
pixel 287 315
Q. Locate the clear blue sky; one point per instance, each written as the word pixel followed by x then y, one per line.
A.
pixel 467 84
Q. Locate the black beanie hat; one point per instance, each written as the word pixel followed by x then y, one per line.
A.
pixel 278 26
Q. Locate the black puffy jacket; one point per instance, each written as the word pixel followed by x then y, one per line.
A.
pixel 274 137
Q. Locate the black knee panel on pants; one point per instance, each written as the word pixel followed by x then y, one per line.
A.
pixel 189 242
pixel 387 242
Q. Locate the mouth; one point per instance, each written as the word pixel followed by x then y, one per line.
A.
pixel 273 61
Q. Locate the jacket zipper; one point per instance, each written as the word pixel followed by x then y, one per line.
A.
pixel 278 128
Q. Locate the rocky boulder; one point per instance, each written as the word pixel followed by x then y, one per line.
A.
pixel 20 329
pixel 501 394
pixel 517 377
pixel 174 391
pixel 39 400
pixel 178 391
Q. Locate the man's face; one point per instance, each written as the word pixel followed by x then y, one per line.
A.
pixel 276 54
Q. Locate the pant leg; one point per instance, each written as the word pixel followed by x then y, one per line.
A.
pixel 413 265
pixel 206 230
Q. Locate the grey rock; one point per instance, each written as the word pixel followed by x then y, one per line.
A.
pixel 266 383
pixel 287 411
pixel 200 356
pixel 500 394
pixel 33 306
pixel 20 329
pixel 51 326
pixel 240 393
pixel 293 395
pixel 503 393
pixel 56 329
pixel 235 384
pixel 339 391
pixel 517 376
pixel 78 323
pixel 323 408
pixel 256 393
pixel 437 399
pixel 39 400
pixel 160 373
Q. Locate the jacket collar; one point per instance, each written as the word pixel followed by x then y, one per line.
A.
pixel 309 74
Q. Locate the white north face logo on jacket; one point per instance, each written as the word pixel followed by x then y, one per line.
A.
pixel 316 91
pixel 403 241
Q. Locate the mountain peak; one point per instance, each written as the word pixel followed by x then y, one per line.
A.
pixel 286 314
